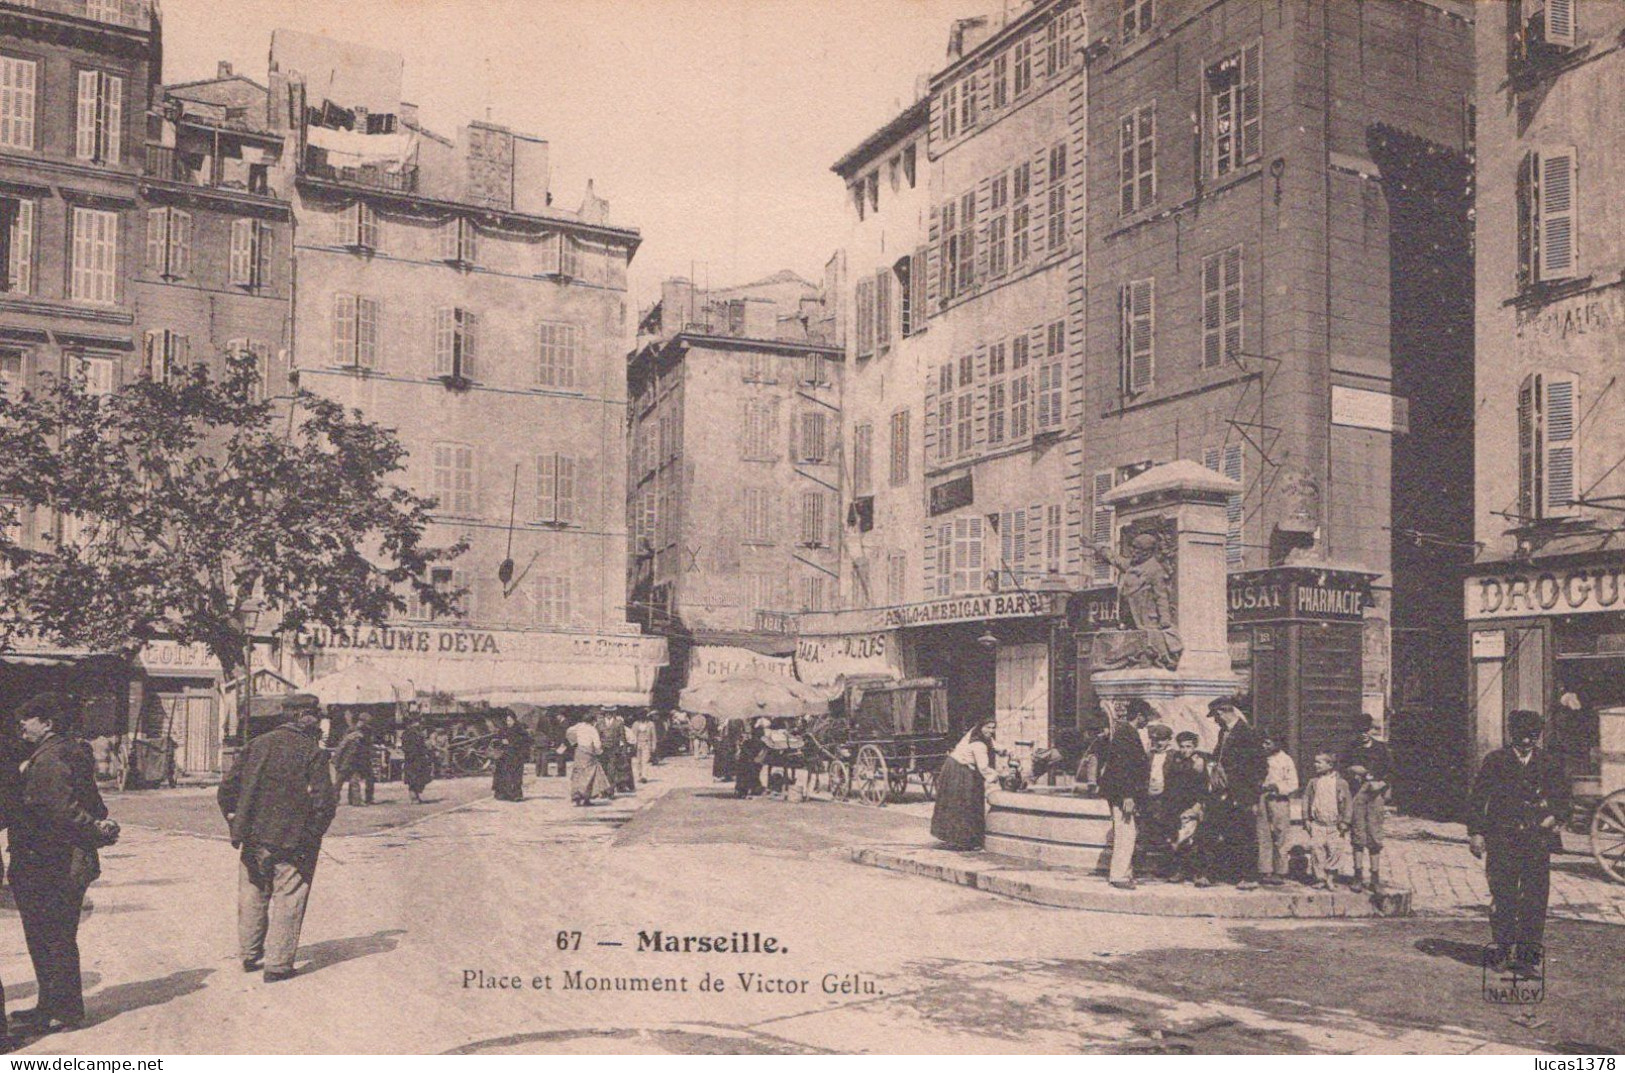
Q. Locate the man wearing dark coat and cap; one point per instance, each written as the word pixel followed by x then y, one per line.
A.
pixel 279 799
pixel 60 823
pixel 1514 819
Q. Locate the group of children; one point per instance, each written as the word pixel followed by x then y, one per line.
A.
pixel 1342 801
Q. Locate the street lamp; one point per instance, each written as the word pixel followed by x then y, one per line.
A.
pixel 245 619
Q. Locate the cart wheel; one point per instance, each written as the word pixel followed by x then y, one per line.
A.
pixel 928 783
pixel 870 777
pixel 1608 835
pixel 840 780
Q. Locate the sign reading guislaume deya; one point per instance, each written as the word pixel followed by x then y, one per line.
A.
pixel 475 644
pixel 1519 592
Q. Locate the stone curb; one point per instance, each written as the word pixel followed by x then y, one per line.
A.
pixel 1070 890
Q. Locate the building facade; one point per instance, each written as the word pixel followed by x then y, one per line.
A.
pixel 1542 599
pixel 442 294
pixel 734 492
pixel 1280 290
pixel 76 81
pixel 965 336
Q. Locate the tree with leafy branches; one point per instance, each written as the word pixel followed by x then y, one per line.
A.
pixel 176 507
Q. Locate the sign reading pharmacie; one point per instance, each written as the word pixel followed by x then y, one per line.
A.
pixel 1521 590
pixel 445 642
pixel 1304 593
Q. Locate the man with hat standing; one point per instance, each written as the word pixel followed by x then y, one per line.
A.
pixel 1124 782
pixel 59 825
pixel 1514 818
pixel 279 799
pixel 1368 766
pixel 1236 777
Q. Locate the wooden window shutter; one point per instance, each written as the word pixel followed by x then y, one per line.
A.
pixel 1528 246
pixel 1529 491
pixel 157 240
pixel 1560 23
pixel 1251 101
pixel 366 332
pixel 1101 521
pixel 85 129
pixel 344 352
pixel 883 308
pixel 917 279
pixel 1561 443
pixel 1555 174
pixel 180 243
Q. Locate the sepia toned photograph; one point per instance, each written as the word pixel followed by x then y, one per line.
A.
pixel 812 527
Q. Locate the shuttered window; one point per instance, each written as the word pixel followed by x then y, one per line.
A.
pixel 812 433
pixel 100 117
pixel 1137 302
pixel 967 240
pixel 1234 99
pixel 355 331
pixel 1021 189
pixel 552 603
pixel 459 241
pixel 17 218
pixel 760 510
pixel 1221 308
pixel 169 243
pixel 1102 519
pixel 557 487
pixel 1137 17
pixel 814 519
pixel 1021 388
pixel 863 437
pixel 165 356
pixel 896 577
pixel 1012 549
pixel 883 311
pixel 248 254
pixel 1051 378
pixel 1137 159
pixel 967 573
pixel 1227 460
pixel 18 89
pixel 1548 445
pixel 556 354
pixel 899 448
pixel 998 226
pixel 358 226
pixel 95 271
pixel 456 332
pixel 1547 205
pixel 454 478
pixel 863 312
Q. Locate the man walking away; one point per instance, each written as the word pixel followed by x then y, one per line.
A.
pixel 60 823
pixel 1514 816
pixel 353 762
pixel 1368 766
pixel 1275 813
pixel 278 800
pixel 1123 783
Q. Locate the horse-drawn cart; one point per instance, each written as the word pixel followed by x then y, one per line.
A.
pixel 887 734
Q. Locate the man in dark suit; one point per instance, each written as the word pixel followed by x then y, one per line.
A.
pixel 1124 778
pixel 1514 816
pixel 60 823
pixel 279 799
pixel 353 761
pixel 1229 831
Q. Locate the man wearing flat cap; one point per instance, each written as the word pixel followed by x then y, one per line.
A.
pixel 279 799
pixel 1514 820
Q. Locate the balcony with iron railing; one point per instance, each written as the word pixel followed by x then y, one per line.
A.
pixel 172 166
pixel 133 14
pixel 402 179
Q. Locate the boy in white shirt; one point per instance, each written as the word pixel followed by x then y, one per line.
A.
pixel 1275 814
pixel 1327 805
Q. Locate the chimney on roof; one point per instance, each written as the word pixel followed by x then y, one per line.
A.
pixel 223 69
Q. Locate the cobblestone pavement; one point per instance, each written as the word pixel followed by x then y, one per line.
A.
pixel 1430 858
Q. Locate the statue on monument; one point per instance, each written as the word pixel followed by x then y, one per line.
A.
pixel 1145 586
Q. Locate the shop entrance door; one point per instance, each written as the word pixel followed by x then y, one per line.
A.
pixel 191 722
pixel 1021 701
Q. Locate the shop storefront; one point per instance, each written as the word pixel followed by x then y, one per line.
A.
pixel 107 687
pixel 181 703
pixel 496 667
pixel 1549 636
pixel 1002 656
pixel 1298 641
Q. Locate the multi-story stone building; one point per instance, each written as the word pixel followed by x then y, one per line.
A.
pixel 734 492
pixel 442 293
pixel 1279 263
pixel 966 347
pixel 76 80
pixel 1543 599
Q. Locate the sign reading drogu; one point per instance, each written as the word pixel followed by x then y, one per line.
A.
pixel 1572 591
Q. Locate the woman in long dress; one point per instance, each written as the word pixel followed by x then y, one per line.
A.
pixel 513 743
pixel 587 778
pixel 960 817
pixel 417 766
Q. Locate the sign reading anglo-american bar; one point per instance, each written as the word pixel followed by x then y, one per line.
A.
pixel 951 495
pixel 1298 593
pixel 1521 591
pixel 970 609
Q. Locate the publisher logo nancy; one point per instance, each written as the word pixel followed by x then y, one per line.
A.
pixel 1521 983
